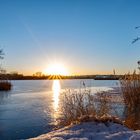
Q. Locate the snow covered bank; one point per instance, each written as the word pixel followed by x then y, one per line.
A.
pixel 92 131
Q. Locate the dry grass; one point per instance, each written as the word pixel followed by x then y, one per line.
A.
pixel 103 104
pixel 82 106
pixel 5 85
pixel 74 105
pixel 130 85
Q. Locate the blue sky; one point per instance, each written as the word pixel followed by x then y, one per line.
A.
pixel 87 36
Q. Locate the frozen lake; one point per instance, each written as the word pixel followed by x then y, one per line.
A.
pixel 28 109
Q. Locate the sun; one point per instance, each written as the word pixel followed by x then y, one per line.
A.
pixel 56 69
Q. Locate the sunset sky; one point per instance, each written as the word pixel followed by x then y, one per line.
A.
pixel 86 36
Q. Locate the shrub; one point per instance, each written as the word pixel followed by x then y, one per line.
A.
pixel 83 106
pixel 5 86
pixel 130 85
pixel 74 105
pixel 103 104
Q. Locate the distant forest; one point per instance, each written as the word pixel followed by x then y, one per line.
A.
pixel 16 76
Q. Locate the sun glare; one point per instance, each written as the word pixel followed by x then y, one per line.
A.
pixel 56 90
pixel 56 69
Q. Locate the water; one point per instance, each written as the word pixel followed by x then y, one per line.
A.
pixel 28 109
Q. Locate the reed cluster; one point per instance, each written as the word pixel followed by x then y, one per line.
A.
pixel 5 85
pixel 130 85
pixel 82 106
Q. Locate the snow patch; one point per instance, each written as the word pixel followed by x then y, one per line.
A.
pixel 91 131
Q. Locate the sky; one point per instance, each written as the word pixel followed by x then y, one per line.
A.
pixel 86 36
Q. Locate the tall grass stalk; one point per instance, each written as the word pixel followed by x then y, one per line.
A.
pixel 130 85
pixel 75 104
pixel 83 106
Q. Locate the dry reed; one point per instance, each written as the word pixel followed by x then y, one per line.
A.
pixel 130 85
pixel 83 106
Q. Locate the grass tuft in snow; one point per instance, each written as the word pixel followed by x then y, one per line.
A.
pixel 83 106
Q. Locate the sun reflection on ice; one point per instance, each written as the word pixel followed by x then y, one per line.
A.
pixel 56 91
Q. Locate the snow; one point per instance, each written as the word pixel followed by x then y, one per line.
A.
pixel 92 131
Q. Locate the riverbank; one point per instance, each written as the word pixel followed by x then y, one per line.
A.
pixel 54 77
pixel 91 131
pixel 95 130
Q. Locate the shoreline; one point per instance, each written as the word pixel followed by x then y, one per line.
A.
pixel 96 130
pixel 91 131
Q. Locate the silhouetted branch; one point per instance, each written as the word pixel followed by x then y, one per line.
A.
pixel 1 54
pixel 137 27
pixel 135 40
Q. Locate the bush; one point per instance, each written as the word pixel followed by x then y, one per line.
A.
pixel 130 85
pixel 83 106
pixel 5 86
pixel 74 105
pixel 103 104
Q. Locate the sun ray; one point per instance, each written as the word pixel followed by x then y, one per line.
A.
pixel 55 71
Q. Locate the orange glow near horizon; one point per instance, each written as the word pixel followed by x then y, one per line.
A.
pixel 56 69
